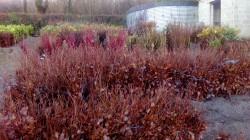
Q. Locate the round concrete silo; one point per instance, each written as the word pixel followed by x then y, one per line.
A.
pixel 162 13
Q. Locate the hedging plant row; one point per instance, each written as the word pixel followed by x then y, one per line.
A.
pixel 178 36
pixel 33 18
pixel 89 93
pixel 10 34
pixel 82 35
pixel 38 21
pixel 60 27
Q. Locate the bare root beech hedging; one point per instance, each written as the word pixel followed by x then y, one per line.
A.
pixel 192 73
pixel 106 114
pixel 96 93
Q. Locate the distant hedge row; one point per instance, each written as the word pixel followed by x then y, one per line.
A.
pixel 11 34
pixel 39 21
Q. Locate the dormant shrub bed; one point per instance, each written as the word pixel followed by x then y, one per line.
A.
pixel 73 93
pixel 85 92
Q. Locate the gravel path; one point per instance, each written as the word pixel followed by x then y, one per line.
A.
pixel 232 116
pixel 9 55
pixel 8 60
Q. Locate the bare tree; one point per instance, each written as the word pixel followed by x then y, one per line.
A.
pixel 25 9
pixel 42 6
pixel 68 7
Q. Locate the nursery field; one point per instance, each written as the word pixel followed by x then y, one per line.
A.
pixel 98 81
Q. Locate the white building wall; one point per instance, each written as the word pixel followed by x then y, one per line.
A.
pixel 162 15
pixel 227 12
pixel 132 18
pixel 234 13
pixel 242 17
pixel 204 12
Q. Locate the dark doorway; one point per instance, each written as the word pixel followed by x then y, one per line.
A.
pixel 216 12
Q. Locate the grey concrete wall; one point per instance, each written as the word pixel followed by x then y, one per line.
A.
pixel 133 17
pixel 164 13
pixel 204 12
pixel 234 13
pixel 242 17
pixel 227 12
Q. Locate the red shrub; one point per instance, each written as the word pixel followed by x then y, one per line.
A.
pixel 23 46
pixel 58 41
pixel 90 38
pixel 112 41
pixel 70 39
pixel 45 38
pixel 78 39
pixel 6 39
pixel 121 38
pixel 117 39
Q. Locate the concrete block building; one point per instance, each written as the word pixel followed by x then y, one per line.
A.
pixel 232 13
pixel 163 13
